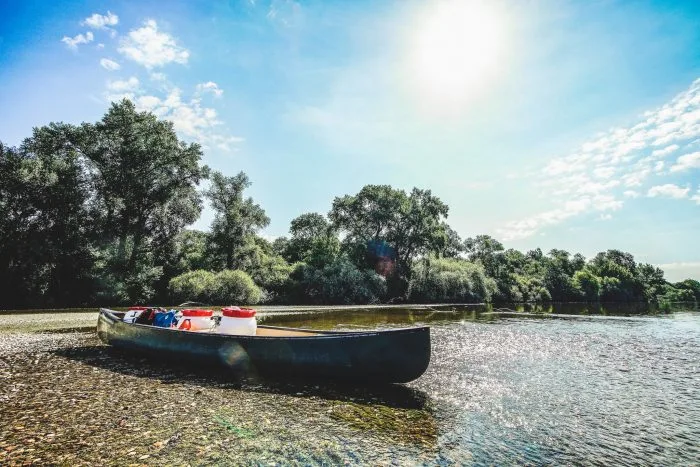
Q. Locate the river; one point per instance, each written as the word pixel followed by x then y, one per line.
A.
pixel 570 387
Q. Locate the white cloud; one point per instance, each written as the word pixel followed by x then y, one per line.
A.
pixel 73 42
pixel 122 89
pixel 527 227
pixel 130 84
pixel 100 45
pixel 604 172
pixel 157 76
pixel 668 190
pixel 605 217
pixel 665 151
pixel 151 48
pixel 636 177
pixel 110 65
pixel 98 21
pixel 686 162
pixel 211 87
pixel 696 197
pixel 613 162
pixel 190 119
pixel 606 203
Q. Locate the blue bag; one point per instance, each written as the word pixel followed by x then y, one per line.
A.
pixel 164 319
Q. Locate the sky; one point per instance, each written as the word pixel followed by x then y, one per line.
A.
pixel 544 123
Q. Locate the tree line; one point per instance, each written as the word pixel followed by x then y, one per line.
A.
pixel 97 213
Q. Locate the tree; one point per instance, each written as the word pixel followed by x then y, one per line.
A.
pixel 453 243
pixel 313 241
pixel 236 220
pixel 486 250
pixel 411 225
pixel 145 182
pixel 653 281
pixel 620 266
pixel 558 271
pixel 280 245
pixel 44 225
pixel 587 285
pixel 190 252
pixel 691 285
pixel 143 175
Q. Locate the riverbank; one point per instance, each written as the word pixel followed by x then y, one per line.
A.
pixel 501 389
pixel 67 399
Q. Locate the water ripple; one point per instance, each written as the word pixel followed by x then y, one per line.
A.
pixel 591 391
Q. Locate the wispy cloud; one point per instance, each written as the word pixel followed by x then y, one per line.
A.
pixel 686 162
pixel 668 190
pixel 98 21
pixel 122 89
pixel 108 64
pixel 211 87
pixel 696 197
pixel 189 118
pixel 620 159
pixel 74 42
pixel 152 48
pixel 665 151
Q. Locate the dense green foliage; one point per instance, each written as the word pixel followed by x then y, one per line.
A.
pixel 409 225
pixel 222 288
pixel 439 280
pixel 237 220
pixel 97 214
pixel 339 283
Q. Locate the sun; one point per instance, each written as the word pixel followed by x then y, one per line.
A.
pixel 456 48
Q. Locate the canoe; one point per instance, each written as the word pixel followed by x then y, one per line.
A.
pixel 366 357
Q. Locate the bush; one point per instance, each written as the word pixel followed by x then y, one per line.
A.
pixel 195 286
pixel 612 290
pixel 587 284
pixel 226 287
pixel 532 289
pixel 272 273
pixel 339 283
pixel 673 294
pixel 450 280
pixel 235 287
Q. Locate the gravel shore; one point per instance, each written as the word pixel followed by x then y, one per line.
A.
pixel 67 399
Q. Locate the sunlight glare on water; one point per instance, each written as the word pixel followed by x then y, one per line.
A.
pixel 588 389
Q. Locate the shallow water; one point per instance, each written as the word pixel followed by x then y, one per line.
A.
pixel 578 389
pixel 574 387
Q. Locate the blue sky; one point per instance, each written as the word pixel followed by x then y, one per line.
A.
pixel 556 124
